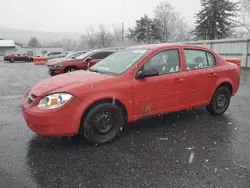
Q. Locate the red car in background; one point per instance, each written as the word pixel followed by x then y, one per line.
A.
pixel 134 83
pixel 17 57
pixel 82 62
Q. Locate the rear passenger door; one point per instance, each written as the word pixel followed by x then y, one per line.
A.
pixel 201 75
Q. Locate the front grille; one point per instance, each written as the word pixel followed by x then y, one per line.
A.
pixel 42 128
pixel 31 98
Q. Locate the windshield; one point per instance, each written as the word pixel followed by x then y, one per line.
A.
pixel 84 55
pixel 69 54
pixel 118 62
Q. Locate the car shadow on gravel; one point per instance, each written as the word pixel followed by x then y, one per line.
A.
pixel 179 121
pixel 51 159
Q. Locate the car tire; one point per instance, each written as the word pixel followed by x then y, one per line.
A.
pixel 220 101
pixel 103 123
pixel 12 60
pixel 70 69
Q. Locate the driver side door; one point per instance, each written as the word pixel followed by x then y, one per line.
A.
pixel 162 93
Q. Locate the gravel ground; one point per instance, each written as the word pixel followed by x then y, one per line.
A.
pixel 185 149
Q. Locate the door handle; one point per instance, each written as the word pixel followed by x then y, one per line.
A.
pixel 178 80
pixel 212 74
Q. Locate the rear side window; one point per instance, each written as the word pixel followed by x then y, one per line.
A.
pixel 211 59
pixel 199 59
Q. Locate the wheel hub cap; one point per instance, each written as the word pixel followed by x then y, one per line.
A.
pixel 104 122
pixel 221 100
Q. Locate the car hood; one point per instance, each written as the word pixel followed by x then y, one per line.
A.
pixel 68 82
pixel 57 60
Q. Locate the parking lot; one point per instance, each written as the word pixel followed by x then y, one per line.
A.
pixel 186 149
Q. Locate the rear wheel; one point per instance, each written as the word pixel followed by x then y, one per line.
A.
pixel 220 101
pixel 103 123
pixel 70 69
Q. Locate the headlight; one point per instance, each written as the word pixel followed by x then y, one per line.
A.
pixel 57 65
pixel 54 101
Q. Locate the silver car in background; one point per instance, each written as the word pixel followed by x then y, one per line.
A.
pixel 70 55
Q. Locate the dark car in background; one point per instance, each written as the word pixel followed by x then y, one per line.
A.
pixel 18 57
pixel 82 62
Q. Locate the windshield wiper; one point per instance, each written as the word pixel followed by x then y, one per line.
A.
pixel 94 70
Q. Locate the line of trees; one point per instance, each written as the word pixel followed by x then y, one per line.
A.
pixel 217 19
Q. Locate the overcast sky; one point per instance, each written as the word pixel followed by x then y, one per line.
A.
pixel 74 15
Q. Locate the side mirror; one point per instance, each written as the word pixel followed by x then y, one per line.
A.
pixel 73 57
pixel 149 72
pixel 88 59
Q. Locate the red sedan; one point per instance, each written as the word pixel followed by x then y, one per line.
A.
pixel 17 57
pixel 82 62
pixel 131 84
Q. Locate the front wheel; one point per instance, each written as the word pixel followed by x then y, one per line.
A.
pixel 220 101
pixel 103 123
pixel 70 69
pixel 12 60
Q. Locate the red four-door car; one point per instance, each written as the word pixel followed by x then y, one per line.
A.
pixel 17 57
pixel 131 84
pixel 82 62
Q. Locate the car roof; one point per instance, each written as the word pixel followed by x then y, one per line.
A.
pixel 164 45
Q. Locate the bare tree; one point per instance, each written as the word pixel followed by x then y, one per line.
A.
pixel 104 37
pixel 117 32
pixel 164 13
pixel 67 44
pixel 173 26
pixel 245 15
pixel 34 42
pixel 89 37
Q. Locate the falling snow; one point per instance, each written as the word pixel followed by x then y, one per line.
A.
pixel 191 158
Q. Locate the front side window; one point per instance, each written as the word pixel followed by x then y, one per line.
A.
pixel 106 54
pixel 74 55
pixel 199 59
pixel 119 62
pixel 101 55
pixel 96 56
pixel 164 62
pixel 85 55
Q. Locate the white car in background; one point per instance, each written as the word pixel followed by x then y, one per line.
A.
pixel 52 55
pixel 70 55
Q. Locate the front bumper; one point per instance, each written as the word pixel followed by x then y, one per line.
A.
pixel 54 72
pixel 64 121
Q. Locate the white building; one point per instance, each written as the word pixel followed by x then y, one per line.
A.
pixel 8 47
